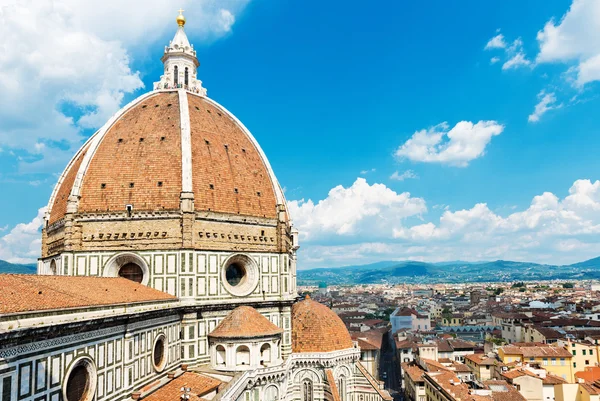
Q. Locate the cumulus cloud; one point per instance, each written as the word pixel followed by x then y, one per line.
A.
pixel 516 61
pixel 60 59
pixel 514 54
pixel 359 210
pixel 547 102
pixel 457 146
pixel 549 230
pixel 408 174
pixel 23 243
pixel 575 38
pixel 497 42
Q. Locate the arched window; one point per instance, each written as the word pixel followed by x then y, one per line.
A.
pixel 271 393
pixel 265 354
pixel 176 75
pixel 220 355
pixel 132 272
pixel 186 76
pixel 242 356
pixel 342 387
pixel 53 267
pixel 307 390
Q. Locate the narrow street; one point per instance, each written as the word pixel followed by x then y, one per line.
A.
pixel 389 366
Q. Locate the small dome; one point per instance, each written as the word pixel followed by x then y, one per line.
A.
pixel 245 322
pixel 316 328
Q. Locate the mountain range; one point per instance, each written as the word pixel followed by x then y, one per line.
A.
pixel 397 272
pixel 7 267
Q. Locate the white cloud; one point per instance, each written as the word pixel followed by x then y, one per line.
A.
pixel 576 38
pixel 514 54
pixel 23 243
pixel 359 210
pixel 365 172
pixel 408 174
pixel 549 230
pixel 547 101
pixel 497 42
pixel 458 146
pixel 516 61
pixel 59 55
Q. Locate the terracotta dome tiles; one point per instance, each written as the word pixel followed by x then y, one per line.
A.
pixel 138 162
pixel 316 328
pixel 245 322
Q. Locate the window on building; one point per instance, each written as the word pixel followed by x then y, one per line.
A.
pixel 574 352
pixel 159 353
pixel 574 364
pixel 80 385
pixel 587 362
pixel 307 390
pixel 553 361
pixel 132 272
pixel 265 355
pixel 591 352
pixel 220 355
pixel 176 75
pixel 342 388
pixel 545 361
pixel 186 76
pixel 242 356
pixel 583 352
pixel 562 362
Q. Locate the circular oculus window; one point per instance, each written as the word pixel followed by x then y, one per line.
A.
pixel 240 275
pixel 159 353
pixel 80 384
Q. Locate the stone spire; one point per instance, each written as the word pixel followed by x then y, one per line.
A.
pixel 181 63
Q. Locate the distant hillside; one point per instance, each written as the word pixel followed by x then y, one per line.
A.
pixel 6 267
pixel 448 272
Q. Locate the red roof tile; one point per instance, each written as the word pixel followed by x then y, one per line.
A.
pixel 26 293
pixel 316 328
pixel 199 385
pixel 245 321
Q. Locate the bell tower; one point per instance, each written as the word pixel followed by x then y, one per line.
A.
pixel 180 63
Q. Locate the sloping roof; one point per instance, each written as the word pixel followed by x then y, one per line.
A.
pixel 384 394
pixel 537 351
pixel 332 385
pixel 27 293
pixel 414 371
pixel 198 383
pixel 245 321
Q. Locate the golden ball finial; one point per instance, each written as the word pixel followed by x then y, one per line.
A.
pixel 180 18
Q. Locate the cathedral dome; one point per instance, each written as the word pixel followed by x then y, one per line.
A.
pixel 164 144
pixel 316 328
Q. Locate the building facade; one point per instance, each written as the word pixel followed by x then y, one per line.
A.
pixel 168 255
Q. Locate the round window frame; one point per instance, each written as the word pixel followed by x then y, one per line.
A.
pixel 250 280
pixel 114 264
pixel 92 371
pixel 163 365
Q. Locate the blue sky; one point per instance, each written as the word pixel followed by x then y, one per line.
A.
pixel 425 130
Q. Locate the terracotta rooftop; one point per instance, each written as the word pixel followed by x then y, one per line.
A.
pixel 26 293
pixel 414 371
pixel 537 351
pixel 480 359
pixel 200 385
pixel 382 393
pixel 590 374
pixel 332 385
pixel 245 321
pixel 316 328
